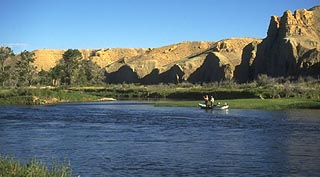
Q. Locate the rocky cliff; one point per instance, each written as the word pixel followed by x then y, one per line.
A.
pixel 187 61
pixel 291 48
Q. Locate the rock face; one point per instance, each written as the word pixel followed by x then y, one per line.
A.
pixel 291 48
pixel 48 58
pixel 187 61
pixel 158 60
pixel 243 72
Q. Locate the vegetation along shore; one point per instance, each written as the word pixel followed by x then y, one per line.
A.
pixel 264 93
pixel 11 167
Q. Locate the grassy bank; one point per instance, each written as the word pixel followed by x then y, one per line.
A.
pixel 266 104
pixel 223 90
pixel 12 167
pixel 39 96
pixel 269 94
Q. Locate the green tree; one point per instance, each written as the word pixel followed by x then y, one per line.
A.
pixel 56 74
pixel 93 72
pixel 26 70
pixel 43 78
pixel 88 73
pixel 70 62
pixel 73 70
pixel 5 54
pixel 79 76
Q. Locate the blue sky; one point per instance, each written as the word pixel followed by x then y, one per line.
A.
pixel 64 24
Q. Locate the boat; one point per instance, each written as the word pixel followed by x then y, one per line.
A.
pixel 217 107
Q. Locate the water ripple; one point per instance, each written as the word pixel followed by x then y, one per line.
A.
pixel 126 138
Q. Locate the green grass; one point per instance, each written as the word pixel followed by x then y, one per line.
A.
pixel 63 95
pixel 36 96
pixel 277 96
pixel 266 104
pixel 13 168
pixel 275 104
pixel 4 91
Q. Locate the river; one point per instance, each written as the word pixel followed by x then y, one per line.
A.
pixel 130 138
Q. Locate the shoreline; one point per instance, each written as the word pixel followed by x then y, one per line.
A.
pixel 167 96
pixel 253 103
pixel 247 103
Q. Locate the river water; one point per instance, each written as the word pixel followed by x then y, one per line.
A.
pixel 129 138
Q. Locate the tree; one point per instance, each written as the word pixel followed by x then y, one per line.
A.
pixel 70 59
pixel 79 76
pixel 56 74
pixel 43 77
pixel 5 54
pixel 73 70
pixel 93 72
pixel 88 73
pixel 25 68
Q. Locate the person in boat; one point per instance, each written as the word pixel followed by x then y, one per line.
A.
pixel 211 101
pixel 206 100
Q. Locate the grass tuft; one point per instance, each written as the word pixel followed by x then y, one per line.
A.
pixel 34 168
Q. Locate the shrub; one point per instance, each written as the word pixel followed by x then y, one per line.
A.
pixel 265 81
pixel 11 167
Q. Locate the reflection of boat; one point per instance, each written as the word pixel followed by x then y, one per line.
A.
pixel 218 106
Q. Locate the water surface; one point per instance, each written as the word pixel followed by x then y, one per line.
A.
pixel 127 138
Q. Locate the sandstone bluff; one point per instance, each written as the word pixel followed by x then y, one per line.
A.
pixel 291 48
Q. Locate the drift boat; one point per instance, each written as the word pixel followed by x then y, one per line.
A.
pixel 218 106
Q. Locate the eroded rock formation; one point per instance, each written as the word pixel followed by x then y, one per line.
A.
pixel 291 48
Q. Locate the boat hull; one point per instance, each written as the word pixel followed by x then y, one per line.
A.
pixel 215 107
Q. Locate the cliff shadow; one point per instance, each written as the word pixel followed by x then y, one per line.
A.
pixel 276 57
pixel 151 78
pixel 308 66
pixel 209 71
pixel 124 74
pixel 173 75
pixel 243 72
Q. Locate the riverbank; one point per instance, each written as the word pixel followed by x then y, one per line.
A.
pixel 266 104
pixel 45 96
pixel 305 95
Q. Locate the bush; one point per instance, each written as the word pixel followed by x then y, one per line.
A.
pixel 11 167
pixel 265 81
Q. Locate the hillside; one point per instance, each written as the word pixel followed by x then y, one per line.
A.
pixel 48 58
pixel 291 48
